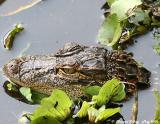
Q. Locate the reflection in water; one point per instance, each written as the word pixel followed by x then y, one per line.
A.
pixel 25 49
pixel 2 1
pixel 13 91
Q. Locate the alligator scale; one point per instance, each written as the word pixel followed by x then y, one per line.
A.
pixel 74 67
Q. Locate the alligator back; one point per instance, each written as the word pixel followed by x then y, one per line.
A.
pixel 122 65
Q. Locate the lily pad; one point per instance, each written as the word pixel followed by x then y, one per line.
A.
pixel 92 90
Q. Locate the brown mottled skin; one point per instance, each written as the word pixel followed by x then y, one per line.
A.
pixel 74 67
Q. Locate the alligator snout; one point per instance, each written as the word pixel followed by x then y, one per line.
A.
pixel 11 68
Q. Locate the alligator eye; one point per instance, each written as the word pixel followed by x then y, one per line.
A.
pixel 69 70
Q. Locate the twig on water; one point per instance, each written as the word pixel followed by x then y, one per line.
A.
pixel 22 8
pixel 135 109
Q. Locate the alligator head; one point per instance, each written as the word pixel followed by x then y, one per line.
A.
pixel 73 67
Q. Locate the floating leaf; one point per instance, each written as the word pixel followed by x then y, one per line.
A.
pixel 23 94
pixel 92 90
pixel 126 9
pixel 26 92
pixel 83 111
pixel 11 87
pixel 110 2
pixel 140 16
pixel 156 33
pixel 13 91
pixel 157 48
pixel 37 97
pixel 10 36
pixel 136 17
pixel 106 114
pixel 119 94
pixel 23 120
pixel 45 120
pixel 32 96
pixel 112 90
pixel 92 114
pixel 56 106
pixel 70 121
pixel 110 30
pixel 101 114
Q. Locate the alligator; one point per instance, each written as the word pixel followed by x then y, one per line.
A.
pixel 74 67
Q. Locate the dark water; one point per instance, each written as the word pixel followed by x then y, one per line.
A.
pixel 50 24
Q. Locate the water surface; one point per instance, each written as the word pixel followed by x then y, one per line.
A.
pixel 52 23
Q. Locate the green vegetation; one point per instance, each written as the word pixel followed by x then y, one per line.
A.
pixel 157 48
pixel 58 107
pixel 125 21
pixel 157 115
pixel 10 36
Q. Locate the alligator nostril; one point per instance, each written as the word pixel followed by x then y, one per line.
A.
pixel 13 67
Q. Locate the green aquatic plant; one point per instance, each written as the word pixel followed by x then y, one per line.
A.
pixel 58 107
pixel 10 36
pixel 123 22
pixel 157 115
pixel 113 90
pixel 157 48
